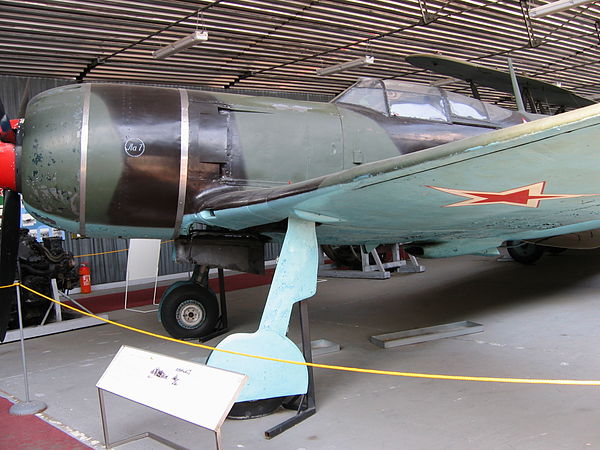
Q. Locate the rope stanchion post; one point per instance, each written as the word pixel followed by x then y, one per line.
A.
pixel 28 406
pixel 327 366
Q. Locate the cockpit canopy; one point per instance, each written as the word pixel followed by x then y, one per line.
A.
pixel 399 99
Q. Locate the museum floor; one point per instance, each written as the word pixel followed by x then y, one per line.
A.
pixel 540 321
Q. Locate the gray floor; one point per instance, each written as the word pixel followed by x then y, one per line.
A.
pixel 540 321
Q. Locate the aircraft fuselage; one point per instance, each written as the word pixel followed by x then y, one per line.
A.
pixel 132 161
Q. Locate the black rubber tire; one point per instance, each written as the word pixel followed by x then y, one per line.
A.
pixel 524 252
pixel 189 311
pixel 255 408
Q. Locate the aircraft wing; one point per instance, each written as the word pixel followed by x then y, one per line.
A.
pixel 497 79
pixel 532 180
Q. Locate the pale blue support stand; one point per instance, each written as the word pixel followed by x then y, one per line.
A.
pixel 295 279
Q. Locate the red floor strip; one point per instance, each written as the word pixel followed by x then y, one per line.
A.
pixel 112 302
pixel 32 433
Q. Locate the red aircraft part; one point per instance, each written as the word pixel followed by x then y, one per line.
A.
pixel 8 174
pixel 10 135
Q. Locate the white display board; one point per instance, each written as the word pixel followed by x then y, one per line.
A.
pixel 142 260
pixel 169 384
pixel 142 264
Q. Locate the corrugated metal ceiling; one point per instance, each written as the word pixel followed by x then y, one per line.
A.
pixel 277 45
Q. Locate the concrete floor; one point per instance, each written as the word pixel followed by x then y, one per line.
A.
pixel 540 321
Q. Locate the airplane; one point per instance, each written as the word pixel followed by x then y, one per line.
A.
pixel 385 161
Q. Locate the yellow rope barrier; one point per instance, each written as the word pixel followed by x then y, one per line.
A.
pixel 324 366
pixel 113 251
pixel 102 253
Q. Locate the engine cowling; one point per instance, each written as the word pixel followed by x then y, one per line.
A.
pixel 112 160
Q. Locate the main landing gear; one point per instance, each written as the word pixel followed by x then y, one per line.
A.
pixel 524 252
pixel 295 279
pixel 190 309
pixel 529 253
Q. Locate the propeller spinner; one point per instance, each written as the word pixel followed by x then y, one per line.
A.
pixel 11 220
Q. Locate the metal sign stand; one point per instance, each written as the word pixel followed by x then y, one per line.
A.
pixel 137 437
pixel 143 311
pixel 165 384
pixel 307 402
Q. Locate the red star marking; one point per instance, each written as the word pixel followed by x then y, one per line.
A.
pixel 528 196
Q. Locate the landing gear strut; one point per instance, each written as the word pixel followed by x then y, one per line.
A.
pixel 295 279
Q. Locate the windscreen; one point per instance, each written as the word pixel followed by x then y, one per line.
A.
pixel 415 101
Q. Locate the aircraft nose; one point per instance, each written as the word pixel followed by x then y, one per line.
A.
pixel 8 166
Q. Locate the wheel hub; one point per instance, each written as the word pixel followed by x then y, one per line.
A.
pixel 190 314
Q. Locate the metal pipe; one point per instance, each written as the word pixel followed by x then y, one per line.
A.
pixel 22 334
pixel 515 83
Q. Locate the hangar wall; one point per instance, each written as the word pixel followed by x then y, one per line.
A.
pixel 12 89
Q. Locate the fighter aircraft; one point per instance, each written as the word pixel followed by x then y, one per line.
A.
pixel 385 161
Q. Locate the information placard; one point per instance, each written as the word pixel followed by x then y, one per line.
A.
pixel 142 259
pixel 190 391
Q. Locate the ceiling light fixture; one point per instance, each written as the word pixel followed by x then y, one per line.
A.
pixel 181 44
pixel 363 61
pixel 555 7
